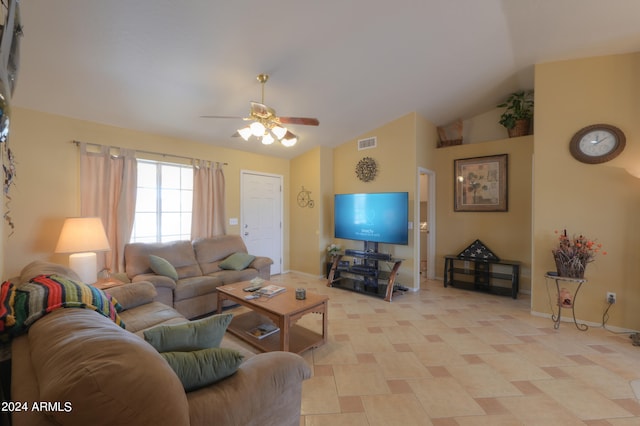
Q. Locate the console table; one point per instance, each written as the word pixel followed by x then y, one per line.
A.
pixel 481 275
pixel 569 304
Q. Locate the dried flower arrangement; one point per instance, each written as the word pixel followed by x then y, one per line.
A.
pixel 573 254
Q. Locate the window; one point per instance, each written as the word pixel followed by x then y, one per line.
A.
pixel 163 202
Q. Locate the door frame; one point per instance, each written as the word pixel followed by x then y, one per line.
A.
pixel 431 236
pixel 244 172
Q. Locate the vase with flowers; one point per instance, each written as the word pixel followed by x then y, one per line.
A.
pixel 573 253
pixel 332 251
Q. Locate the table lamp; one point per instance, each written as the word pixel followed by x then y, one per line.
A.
pixel 83 237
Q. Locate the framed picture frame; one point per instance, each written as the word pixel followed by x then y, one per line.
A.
pixel 481 184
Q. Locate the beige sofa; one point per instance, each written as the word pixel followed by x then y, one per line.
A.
pixel 197 264
pixel 89 371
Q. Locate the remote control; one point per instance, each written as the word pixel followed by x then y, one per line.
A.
pixel 252 296
pixel 252 288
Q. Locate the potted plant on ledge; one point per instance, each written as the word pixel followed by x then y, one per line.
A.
pixel 518 114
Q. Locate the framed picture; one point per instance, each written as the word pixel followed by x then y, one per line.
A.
pixel 480 184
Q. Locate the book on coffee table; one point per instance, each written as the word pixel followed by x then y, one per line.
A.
pixel 271 290
pixel 263 330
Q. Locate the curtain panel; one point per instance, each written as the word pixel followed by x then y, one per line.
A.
pixel 108 191
pixel 208 215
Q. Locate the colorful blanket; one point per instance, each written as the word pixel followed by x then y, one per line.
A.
pixel 21 306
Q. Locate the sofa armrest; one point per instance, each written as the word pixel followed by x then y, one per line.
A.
pixel 156 280
pixel 263 265
pixel 266 390
pixel 133 294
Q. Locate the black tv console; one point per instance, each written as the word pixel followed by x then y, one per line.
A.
pixel 368 254
pixel 364 274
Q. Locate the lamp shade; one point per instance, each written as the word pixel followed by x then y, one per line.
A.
pixel 82 234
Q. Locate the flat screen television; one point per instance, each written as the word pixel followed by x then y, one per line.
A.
pixel 381 217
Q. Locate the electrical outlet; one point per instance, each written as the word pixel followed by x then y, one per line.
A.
pixel 611 297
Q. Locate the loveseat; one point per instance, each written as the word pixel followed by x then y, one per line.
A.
pixel 80 368
pixel 187 281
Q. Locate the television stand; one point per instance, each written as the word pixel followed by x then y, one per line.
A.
pixel 365 276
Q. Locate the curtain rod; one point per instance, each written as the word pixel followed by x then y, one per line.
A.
pixel 162 154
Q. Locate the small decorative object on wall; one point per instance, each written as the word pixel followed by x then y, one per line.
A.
pixel 597 143
pixel 10 35
pixel 481 184
pixel 572 254
pixel 366 169
pixel 304 198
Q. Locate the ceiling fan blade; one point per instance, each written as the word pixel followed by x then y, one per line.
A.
pixel 306 121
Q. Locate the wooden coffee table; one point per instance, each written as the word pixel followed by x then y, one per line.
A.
pixel 284 310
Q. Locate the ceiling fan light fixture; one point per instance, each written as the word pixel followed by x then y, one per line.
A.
pixel 257 129
pixel 267 139
pixel 279 131
pixel 289 139
pixel 245 133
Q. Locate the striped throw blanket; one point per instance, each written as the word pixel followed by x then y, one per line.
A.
pixel 21 306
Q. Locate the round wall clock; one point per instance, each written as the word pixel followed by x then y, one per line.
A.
pixel 598 143
pixel 366 169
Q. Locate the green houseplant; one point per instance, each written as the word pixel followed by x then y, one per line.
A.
pixel 518 114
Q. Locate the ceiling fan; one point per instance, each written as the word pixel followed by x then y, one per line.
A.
pixel 266 125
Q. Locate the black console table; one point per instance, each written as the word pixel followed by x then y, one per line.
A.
pixel 365 276
pixel 480 275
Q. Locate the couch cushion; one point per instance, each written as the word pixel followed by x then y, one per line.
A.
pixel 133 294
pixel 161 266
pixel 237 261
pixel 84 358
pixel 180 254
pixel 149 315
pixel 210 251
pixel 190 336
pixel 203 367
pixel 197 286
pixel 230 276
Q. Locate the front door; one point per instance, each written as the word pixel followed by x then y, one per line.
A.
pixel 261 215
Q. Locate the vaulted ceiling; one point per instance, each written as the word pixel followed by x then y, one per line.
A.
pixel 158 65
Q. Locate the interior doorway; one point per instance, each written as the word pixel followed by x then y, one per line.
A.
pixel 425 231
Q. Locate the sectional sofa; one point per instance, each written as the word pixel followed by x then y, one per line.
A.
pixel 81 368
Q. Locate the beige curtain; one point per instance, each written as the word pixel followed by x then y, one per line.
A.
pixel 208 217
pixel 108 190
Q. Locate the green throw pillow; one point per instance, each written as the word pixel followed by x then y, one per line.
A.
pixel 237 261
pixel 162 266
pixel 189 336
pixel 203 367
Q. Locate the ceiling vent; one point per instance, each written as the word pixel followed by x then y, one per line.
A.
pixel 367 143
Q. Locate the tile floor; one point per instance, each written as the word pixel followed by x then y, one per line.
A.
pixel 445 356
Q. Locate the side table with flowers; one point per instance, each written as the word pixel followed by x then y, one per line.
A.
pixel 571 257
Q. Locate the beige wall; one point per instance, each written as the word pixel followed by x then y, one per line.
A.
pixel 395 156
pixel 599 201
pixel 507 234
pixel 47 188
pixel 311 229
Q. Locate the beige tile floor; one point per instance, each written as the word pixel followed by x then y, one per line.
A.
pixel 445 356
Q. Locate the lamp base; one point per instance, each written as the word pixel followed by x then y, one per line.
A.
pixel 85 265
